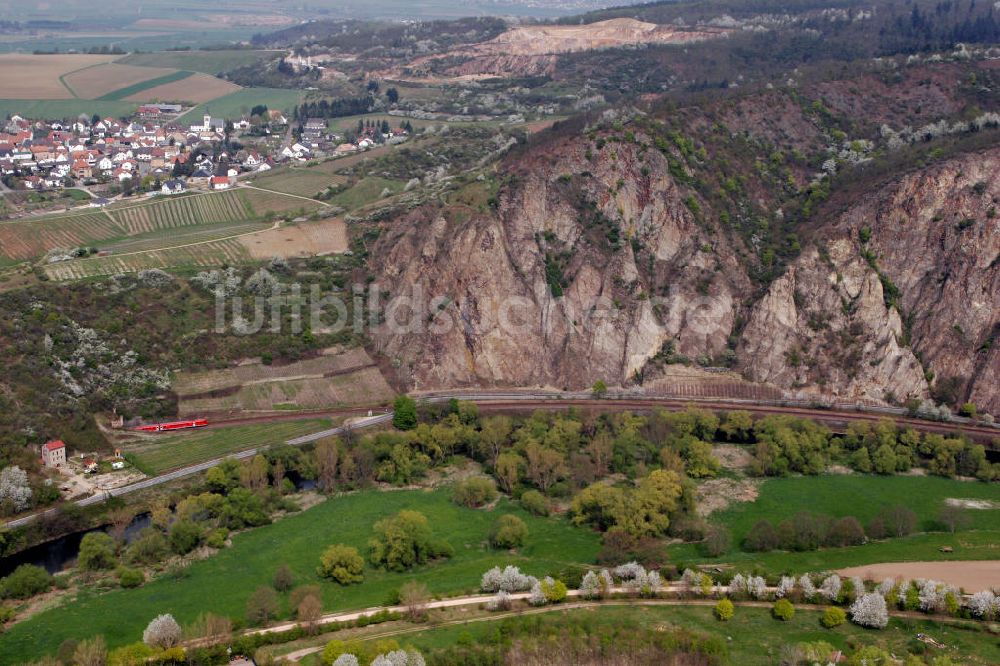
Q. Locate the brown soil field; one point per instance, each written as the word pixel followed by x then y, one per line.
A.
pixel 96 81
pixel 972 575
pixel 196 88
pixel 25 76
pixel 298 240
pixel 337 378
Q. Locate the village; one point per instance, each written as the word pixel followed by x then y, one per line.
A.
pixel 155 153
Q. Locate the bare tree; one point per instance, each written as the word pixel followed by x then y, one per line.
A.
pixel 953 517
pixel 120 519
pixel 326 456
pixel 600 450
pixel 254 475
pixel 308 613
pixel 277 473
pixel 414 595
pixel 92 652
pixel 508 470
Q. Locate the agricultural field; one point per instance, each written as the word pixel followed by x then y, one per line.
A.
pixel 101 80
pixel 861 496
pixel 109 84
pixel 208 62
pixel 303 182
pixel 64 109
pixel 223 583
pixel 36 77
pixel 28 238
pixel 206 254
pixel 194 89
pixel 238 104
pixel 298 239
pixel 150 223
pixel 158 453
pixel 335 379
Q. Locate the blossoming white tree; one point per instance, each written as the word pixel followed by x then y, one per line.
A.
pixel 785 587
pixel 162 632
pixel 984 604
pixel 830 587
pixel 869 610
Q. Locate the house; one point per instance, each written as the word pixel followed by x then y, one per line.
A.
pixel 173 187
pixel 219 182
pixel 200 177
pixel 90 466
pixel 54 453
pixel 81 169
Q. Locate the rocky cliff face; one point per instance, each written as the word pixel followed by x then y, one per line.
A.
pixel 597 261
pixel 632 266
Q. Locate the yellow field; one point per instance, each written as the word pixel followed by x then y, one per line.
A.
pixel 25 76
pixel 197 88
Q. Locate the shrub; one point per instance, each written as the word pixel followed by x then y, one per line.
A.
pixel 129 578
pixel 474 492
pixel 783 610
pixel 761 538
pixel 97 551
pixel 508 532
pixel 833 617
pixel 25 581
pixel 217 538
pixel 185 535
pixel 535 503
pixel 342 564
pixel 404 541
pixel 404 415
pixel 847 531
pixel 724 610
pixel 149 548
pixel 554 590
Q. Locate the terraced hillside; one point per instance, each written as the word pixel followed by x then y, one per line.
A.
pixel 153 225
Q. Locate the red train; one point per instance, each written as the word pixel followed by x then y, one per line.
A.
pixel 173 425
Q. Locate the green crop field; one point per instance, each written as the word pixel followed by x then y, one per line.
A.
pixel 223 583
pixel 159 453
pixel 239 103
pixel 65 109
pixel 128 91
pixel 208 62
pixel 861 496
pixel 181 211
pixel 753 636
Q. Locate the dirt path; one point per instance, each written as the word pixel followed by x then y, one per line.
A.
pixel 973 575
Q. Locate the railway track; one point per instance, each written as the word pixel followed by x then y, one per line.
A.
pixel 836 418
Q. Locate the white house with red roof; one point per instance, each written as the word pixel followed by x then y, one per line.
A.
pixel 54 453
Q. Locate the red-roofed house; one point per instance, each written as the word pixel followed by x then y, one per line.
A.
pixel 220 182
pixel 54 453
pixel 81 169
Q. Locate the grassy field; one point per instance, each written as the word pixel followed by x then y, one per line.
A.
pixel 238 104
pixel 301 182
pixel 223 583
pixel 366 191
pixel 159 453
pixel 209 62
pixel 753 636
pixel 64 108
pixel 861 496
